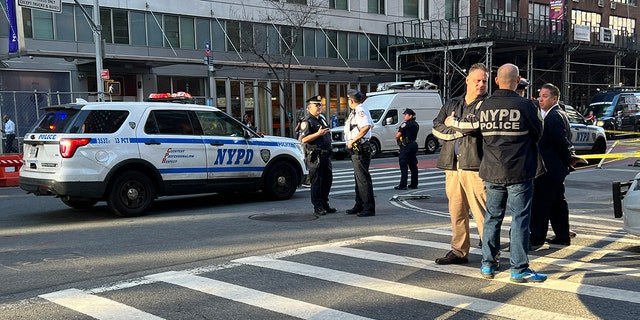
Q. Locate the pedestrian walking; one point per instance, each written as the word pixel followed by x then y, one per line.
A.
pixel 357 132
pixel 315 135
pixel 458 127
pixel 511 127
pixel 408 160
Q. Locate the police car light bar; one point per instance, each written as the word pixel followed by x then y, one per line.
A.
pixel 418 84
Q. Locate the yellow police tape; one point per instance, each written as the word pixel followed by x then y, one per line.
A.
pixel 622 132
pixel 611 155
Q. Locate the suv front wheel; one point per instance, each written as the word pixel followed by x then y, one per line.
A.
pixel 131 194
pixel 281 181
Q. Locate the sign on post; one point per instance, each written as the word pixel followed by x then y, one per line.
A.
pixel 47 5
pixel 104 74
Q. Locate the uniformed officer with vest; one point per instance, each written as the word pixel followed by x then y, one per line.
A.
pixel 315 135
pixel 406 138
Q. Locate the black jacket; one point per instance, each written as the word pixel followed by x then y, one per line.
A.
pixel 511 127
pixel 555 144
pixel 466 130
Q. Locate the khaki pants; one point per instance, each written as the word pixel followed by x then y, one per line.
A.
pixel 465 191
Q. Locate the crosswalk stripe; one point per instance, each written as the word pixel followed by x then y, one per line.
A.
pixel 253 297
pixel 573 247
pixel 564 285
pixel 97 307
pixel 404 290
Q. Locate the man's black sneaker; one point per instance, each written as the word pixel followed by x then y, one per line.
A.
pixel 330 210
pixel 400 188
pixel 366 214
pixel 451 258
pixel 319 212
pixel 561 242
pixel 413 187
pixel 354 210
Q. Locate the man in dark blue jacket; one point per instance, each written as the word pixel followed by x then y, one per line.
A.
pixel 549 202
pixel 511 127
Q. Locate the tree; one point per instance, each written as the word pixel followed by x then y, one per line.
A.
pixel 287 19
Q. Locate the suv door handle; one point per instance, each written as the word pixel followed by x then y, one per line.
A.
pixel 216 144
pixel 150 142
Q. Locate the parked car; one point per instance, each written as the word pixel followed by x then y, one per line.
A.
pixel 586 138
pixel 626 204
pixel 129 153
pixel 386 107
pixel 617 109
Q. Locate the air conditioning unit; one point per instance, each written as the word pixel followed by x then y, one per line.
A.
pixel 482 23
pixel 600 3
pixel 613 5
pixel 576 0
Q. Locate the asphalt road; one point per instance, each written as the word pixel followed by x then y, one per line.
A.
pixel 244 257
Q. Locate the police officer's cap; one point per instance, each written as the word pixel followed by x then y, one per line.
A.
pixel 524 83
pixel 315 99
pixel 355 95
pixel 409 112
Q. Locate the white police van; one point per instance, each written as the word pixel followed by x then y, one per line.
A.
pixel 386 106
pixel 129 153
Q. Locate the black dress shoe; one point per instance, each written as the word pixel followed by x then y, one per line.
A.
pixel 451 258
pixel 330 210
pixel 354 210
pixel 561 242
pixel 366 214
pixel 400 188
pixel 319 212
pixel 413 187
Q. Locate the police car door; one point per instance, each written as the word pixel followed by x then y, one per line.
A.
pixel 171 140
pixel 581 135
pixel 228 153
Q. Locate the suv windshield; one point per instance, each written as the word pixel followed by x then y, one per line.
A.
pixel 602 109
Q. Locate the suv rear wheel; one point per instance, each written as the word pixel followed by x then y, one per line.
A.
pixel 131 194
pixel 281 181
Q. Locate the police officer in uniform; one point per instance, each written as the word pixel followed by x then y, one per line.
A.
pixel 315 134
pixel 357 132
pixel 406 138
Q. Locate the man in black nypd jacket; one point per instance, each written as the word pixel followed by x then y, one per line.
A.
pixel 511 127
pixel 406 138
pixel 315 134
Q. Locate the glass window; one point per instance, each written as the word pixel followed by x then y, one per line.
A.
pixel 343 44
pixel 410 8
pixel 168 122
pixel 187 33
pixel 274 40
pixel 64 24
pixel 285 34
pixel 105 22
pixel 321 44
pixel 42 24
pixel 309 40
pixel 622 25
pixel 120 26
pixel 452 10
pixel 332 44
pixel 353 45
pixel 298 39
pixel 203 32
pixel 153 30
pixel 233 31
pixel 219 40
pixel 171 31
pixel 363 46
pixel 375 6
pixel 338 4
pixel 260 38
pixel 297 1
pixel 84 33
pixel 246 36
pixel 27 23
pixel 99 121
pixel 138 29
pixel 373 54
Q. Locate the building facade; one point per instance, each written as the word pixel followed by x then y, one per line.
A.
pixel 264 58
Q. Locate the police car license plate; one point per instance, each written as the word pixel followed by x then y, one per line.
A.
pixel 33 152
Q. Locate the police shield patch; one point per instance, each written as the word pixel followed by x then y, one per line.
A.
pixel 265 154
pixel 303 126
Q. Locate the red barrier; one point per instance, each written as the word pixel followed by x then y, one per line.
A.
pixel 10 169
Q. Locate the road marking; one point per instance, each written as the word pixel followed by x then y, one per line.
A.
pixel 97 307
pixel 268 301
pixel 558 285
pixel 404 290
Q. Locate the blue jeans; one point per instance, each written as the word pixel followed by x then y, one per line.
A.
pixel 517 199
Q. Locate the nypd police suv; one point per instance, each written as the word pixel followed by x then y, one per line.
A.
pixel 129 153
